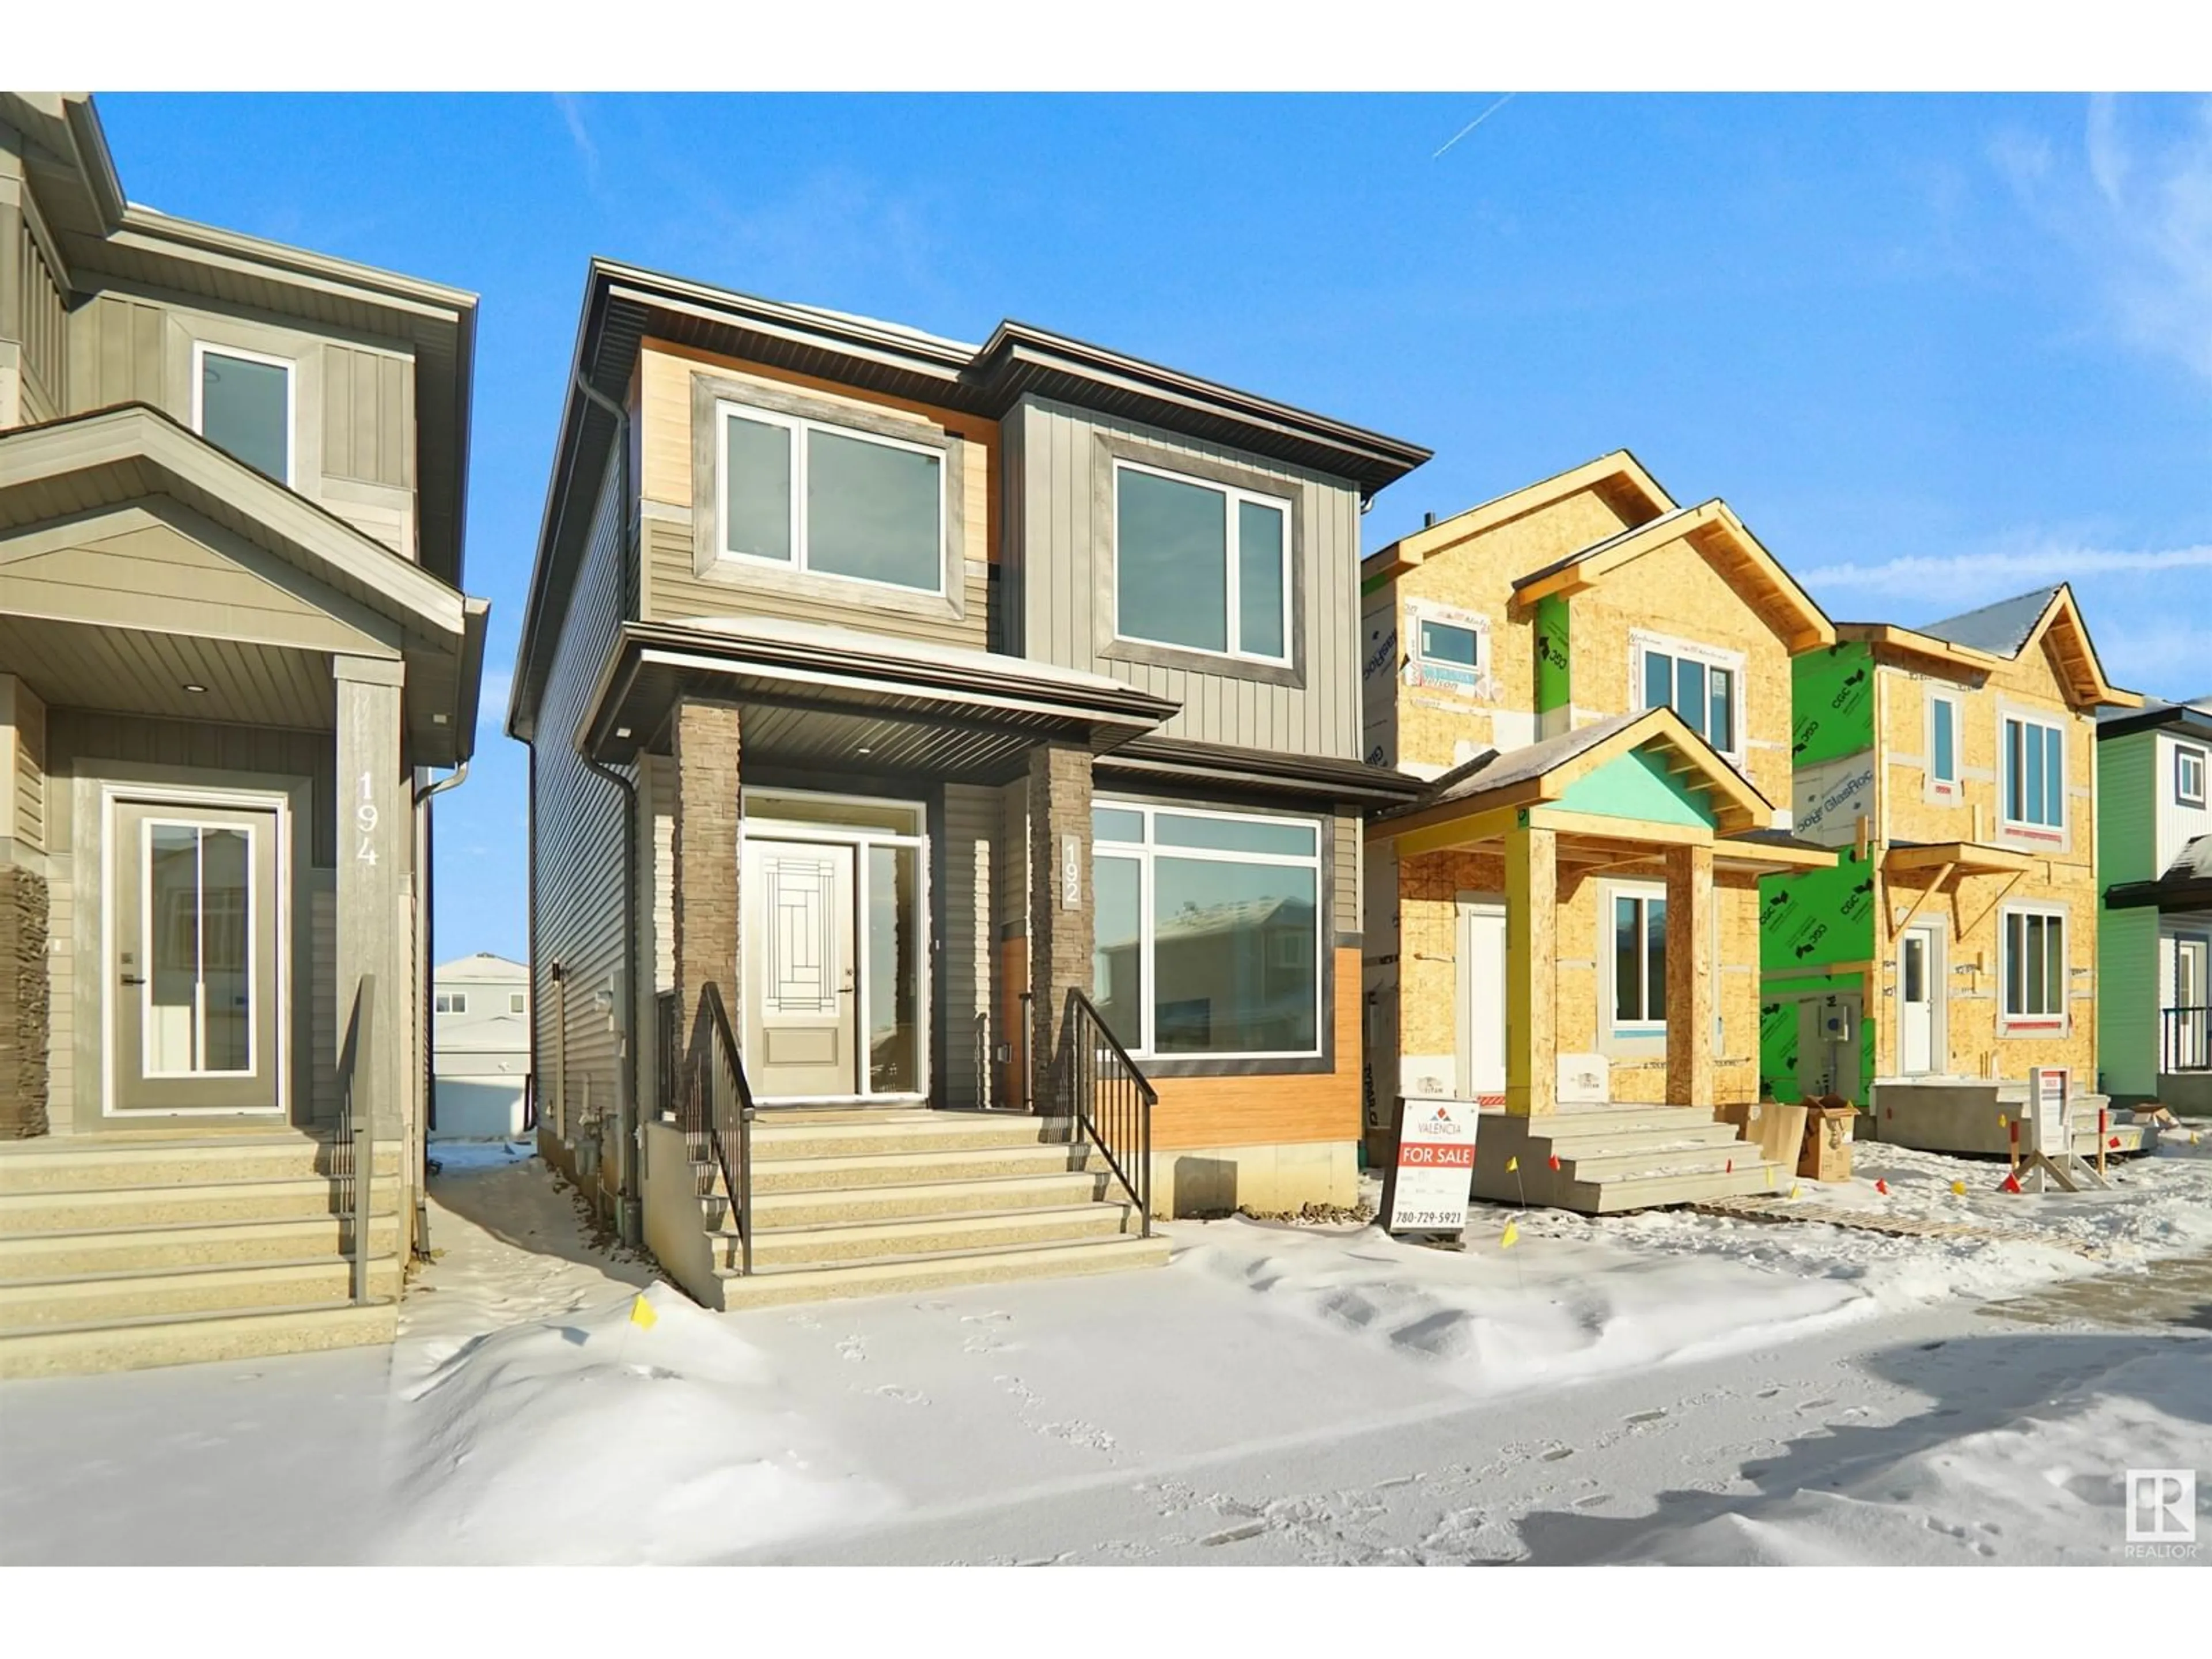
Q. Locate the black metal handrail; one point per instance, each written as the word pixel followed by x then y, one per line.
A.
pixel 2185 1039
pixel 715 1111
pixel 1109 1097
pixel 353 1146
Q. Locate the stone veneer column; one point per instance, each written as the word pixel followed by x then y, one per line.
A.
pixel 22 1003
pixel 705 849
pixel 1532 976
pixel 1061 917
pixel 1690 977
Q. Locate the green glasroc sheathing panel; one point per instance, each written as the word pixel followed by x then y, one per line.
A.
pixel 1554 676
pixel 1831 699
pixel 1778 1028
pixel 1638 786
pixel 1821 916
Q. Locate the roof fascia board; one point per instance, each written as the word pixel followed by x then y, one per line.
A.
pixel 146 231
pixel 1432 539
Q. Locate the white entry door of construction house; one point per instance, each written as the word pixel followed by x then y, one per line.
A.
pixel 1482 998
pixel 1916 994
pixel 835 947
pixel 193 960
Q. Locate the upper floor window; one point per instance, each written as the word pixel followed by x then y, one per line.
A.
pixel 242 404
pixel 1698 683
pixel 452 1002
pixel 1943 742
pixel 2034 760
pixel 812 497
pixel 515 1002
pixel 1202 566
pixel 2189 777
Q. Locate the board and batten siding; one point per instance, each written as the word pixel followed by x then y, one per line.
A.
pixel 1059 554
pixel 577 818
pixel 674 589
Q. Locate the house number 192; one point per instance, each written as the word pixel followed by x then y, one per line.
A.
pixel 365 820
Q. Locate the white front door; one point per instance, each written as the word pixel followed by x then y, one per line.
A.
pixel 1482 999
pixel 1916 1002
pixel 800 990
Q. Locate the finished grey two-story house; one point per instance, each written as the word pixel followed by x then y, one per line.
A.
pixel 893 701
pixel 235 656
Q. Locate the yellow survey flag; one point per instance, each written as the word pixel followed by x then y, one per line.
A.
pixel 1959 1188
pixel 1509 1237
pixel 2001 1124
pixel 1793 1189
pixel 1511 1165
pixel 642 1314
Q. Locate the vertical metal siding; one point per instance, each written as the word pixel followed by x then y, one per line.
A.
pixel 576 817
pixel 1061 548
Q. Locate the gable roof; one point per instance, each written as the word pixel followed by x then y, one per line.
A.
pixel 2005 631
pixel 483 967
pixel 1542 772
pixel 624 305
pixel 1618 478
pixel 1714 532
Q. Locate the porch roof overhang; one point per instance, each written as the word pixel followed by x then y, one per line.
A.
pixel 1265 771
pixel 1964 858
pixel 129 652
pixel 1534 787
pixel 818 695
pixel 2185 888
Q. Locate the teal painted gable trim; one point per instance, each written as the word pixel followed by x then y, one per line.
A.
pixel 1638 786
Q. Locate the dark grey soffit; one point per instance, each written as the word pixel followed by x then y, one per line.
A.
pixel 1310 777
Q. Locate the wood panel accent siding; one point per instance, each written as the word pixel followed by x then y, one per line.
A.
pixel 675 589
pixel 368 415
pixel 1273 1108
pixel 576 815
pixel 1060 563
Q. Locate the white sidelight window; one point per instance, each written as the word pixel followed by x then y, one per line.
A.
pixel 1942 743
pixel 2034 753
pixel 2032 970
pixel 242 404
pixel 809 495
pixel 1206 566
pixel 1638 963
pixel 1207 941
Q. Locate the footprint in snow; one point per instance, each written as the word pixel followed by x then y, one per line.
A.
pixel 985 1318
pixel 1557 1453
pixel 904 1396
pixel 1645 1417
pixel 854 1348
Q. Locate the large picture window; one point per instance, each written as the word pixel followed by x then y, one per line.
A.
pixel 2035 968
pixel 1640 962
pixel 812 496
pixel 1701 685
pixel 1208 938
pixel 1203 566
pixel 2035 754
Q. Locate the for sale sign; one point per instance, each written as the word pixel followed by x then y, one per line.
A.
pixel 2047 1088
pixel 1435 1171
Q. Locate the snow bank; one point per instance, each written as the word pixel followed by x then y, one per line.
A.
pixel 594 1438
pixel 2046 1487
pixel 1497 1322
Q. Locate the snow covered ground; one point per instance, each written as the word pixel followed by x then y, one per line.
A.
pixel 1667 1387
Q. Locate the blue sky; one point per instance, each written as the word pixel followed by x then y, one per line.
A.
pixel 1934 350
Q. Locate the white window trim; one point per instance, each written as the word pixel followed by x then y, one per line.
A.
pixel 1143 852
pixel 2028 827
pixel 1640 644
pixel 2184 754
pixel 2060 1023
pixel 1941 789
pixel 1628 1030
pixel 201 349
pixel 1234 493
pixel 799 426
pixel 517 1003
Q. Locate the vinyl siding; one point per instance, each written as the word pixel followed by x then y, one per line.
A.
pixel 116 355
pixel 23 745
pixel 2128 1002
pixel 576 817
pixel 2128 808
pixel 1059 550
pixel 2178 825
pixel 1346 851
pixel 368 415
pixel 964 881
pixel 43 325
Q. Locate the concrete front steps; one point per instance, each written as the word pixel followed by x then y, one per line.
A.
pixel 891 1202
pixel 1615 1158
pixel 165 1248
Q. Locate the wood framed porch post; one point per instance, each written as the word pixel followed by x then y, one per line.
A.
pixel 1690 975
pixel 1532 976
pixel 705 849
pixel 1061 925
pixel 375 845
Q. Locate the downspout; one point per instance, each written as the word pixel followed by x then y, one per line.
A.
pixel 426 1079
pixel 630 1207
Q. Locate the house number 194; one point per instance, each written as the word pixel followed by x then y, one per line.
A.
pixel 365 820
